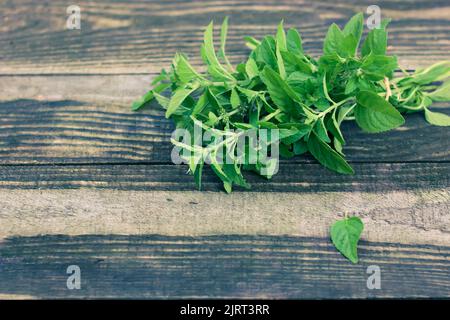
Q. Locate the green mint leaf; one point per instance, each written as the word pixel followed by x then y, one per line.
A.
pixel 251 42
pixel 345 235
pixel 336 42
pixel 250 94
pixel 235 175
pixel 334 127
pixel 251 68
pixel 294 42
pixel 300 147
pixel 435 72
pixel 163 101
pixel 333 39
pixel 442 93
pixel 184 70
pixel 327 156
pixel 437 118
pixel 294 63
pixel 375 114
pixel 136 105
pixel 321 131
pixel 279 90
pixel 177 99
pixel 377 67
pixel 291 133
pixel 146 98
pixel 214 67
pixel 234 99
pixel 265 53
pixel 376 43
pixel 162 76
pixel 355 27
pixel 223 41
pixel 280 46
pixel 281 37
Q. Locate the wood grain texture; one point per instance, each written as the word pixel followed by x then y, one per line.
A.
pixel 293 177
pixel 410 215
pixel 70 131
pixel 85 181
pixel 161 267
pixel 142 36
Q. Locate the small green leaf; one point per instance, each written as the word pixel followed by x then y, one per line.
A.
pixel 280 46
pixel 265 53
pixel 250 94
pixel 251 42
pixel 163 101
pixel 437 118
pixel 178 98
pixel 355 26
pixel 321 131
pixel 184 70
pixel 146 98
pixel 333 39
pixel 223 40
pixel 294 63
pixel 442 93
pixel 374 114
pixel 281 37
pixel 376 42
pixel 300 147
pixel 336 42
pixel 351 85
pixel 327 156
pixel 142 100
pixel 435 72
pixel 345 235
pixel 279 90
pixel 215 67
pixel 334 127
pixel 294 42
pixel 377 67
pixel 234 99
pixel 251 68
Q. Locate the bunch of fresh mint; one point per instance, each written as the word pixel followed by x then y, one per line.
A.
pixel 306 99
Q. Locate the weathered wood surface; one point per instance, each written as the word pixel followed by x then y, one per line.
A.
pixel 142 36
pixel 83 180
pixel 402 216
pixel 217 267
pixel 72 131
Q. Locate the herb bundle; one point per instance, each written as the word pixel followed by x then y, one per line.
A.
pixel 307 99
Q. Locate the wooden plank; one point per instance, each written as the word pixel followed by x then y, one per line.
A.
pixel 217 267
pixel 291 177
pixel 393 210
pixel 142 37
pixel 72 131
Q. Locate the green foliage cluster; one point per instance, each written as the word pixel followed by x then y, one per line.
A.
pixel 281 87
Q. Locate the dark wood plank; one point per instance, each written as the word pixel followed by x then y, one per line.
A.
pixel 217 267
pixel 84 132
pixel 292 177
pixel 142 36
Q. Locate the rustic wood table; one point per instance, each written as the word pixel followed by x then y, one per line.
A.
pixel 85 181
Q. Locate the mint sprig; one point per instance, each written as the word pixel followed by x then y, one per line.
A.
pixel 306 98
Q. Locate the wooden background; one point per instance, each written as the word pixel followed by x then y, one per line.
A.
pixel 85 181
